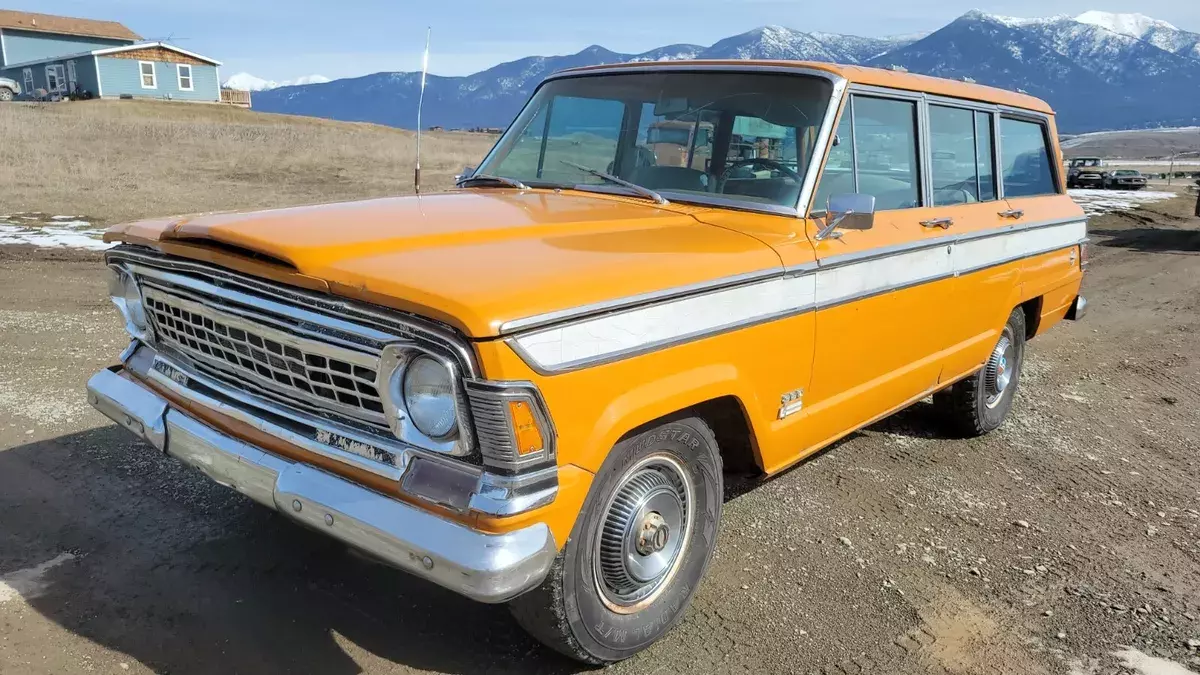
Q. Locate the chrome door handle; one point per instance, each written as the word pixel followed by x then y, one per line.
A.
pixel 1015 214
pixel 943 223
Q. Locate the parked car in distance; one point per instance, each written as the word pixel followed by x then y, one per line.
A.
pixel 529 389
pixel 1125 179
pixel 9 89
pixel 1086 172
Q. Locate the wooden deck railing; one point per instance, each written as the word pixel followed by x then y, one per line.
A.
pixel 235 97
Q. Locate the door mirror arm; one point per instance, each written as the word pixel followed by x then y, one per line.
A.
pixel 849 212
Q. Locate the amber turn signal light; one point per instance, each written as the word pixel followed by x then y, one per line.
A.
pixel 525 428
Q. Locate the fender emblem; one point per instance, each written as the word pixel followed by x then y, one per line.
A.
pixel 791 403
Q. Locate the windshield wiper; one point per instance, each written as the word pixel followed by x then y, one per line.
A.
pixel 488 178
pixel 645 192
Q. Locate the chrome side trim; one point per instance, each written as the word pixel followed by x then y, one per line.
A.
pixel 485 567
pixel 599 339
pixel 629 302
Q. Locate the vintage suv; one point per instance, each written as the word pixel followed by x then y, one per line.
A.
pixel 528 389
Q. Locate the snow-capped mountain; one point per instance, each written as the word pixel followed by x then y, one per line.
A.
pixel 248 82
pixel 1158 33
pixel 1098 70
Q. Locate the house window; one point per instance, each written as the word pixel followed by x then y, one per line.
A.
pixel 185 77
pixel 149 79
pixel 55 78
pixel 28 75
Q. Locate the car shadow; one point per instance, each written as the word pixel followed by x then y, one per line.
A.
pixel 1150 239
pixel 920 420
pixel 158 563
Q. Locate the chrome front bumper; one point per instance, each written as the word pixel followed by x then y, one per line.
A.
pixel 485 567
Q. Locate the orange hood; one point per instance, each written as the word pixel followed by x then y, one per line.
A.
pixel 476 259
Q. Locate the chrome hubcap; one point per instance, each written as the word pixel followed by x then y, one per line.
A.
pixel 644 533
pixel 999 371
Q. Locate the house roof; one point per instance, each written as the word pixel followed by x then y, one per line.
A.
pixel 114 50
pixel 65 25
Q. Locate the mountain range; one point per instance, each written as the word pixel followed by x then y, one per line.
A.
pixel 248 82
pixel 1098 70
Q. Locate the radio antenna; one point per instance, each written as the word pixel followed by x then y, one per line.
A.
pixel 420 103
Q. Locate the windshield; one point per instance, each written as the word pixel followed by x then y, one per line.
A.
pixel 1088 162
pixel 687 135
pixel 1126 172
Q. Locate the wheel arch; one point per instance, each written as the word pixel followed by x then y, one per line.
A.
pixel 713 393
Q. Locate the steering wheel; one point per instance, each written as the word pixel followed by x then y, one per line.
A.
pixel 758 161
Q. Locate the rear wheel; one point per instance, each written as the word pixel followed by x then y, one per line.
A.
pixel 979 404
pixel 638 550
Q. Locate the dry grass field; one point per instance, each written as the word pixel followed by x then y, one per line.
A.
pixel 115 161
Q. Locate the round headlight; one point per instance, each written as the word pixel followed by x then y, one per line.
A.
pixel 429 397
pixel 134 310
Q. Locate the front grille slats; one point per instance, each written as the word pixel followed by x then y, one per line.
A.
pixel 243 351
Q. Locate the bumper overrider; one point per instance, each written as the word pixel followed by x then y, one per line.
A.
pixel 485 567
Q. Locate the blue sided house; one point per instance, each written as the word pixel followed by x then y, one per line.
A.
pixel 84 58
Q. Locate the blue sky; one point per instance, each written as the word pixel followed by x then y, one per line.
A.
pixel 284 39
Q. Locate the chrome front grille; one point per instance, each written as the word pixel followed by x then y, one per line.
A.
pixel 244 350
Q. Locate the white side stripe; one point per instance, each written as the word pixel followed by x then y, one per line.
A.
pixel 624 333
pixel 873 276
pixel 579 343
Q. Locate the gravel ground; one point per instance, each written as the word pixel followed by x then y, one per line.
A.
pixel 1066 542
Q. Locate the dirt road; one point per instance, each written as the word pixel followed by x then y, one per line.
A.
pixel 1069 535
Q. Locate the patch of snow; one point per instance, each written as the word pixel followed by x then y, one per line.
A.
pixel 248 82
pixel 1133 25
pixel 1097 202
pixel 29 583
pixel 57 232
pixel 1144 664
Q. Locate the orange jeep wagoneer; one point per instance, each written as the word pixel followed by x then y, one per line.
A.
pixel 526 390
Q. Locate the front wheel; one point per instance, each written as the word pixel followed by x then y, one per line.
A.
pixel 979 404
pixel 638 550
pixel 6 94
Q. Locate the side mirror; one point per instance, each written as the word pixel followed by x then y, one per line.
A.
pixel 467 172
pixel 848 212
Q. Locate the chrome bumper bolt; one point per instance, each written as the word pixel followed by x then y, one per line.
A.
pixel 329 519
pixel 296 505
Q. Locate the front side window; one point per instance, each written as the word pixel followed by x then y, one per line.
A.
pixel 185 78
pixel 149 80
pixel 687 135
pixel 1025 148
pixel 880 141
pixel 961 143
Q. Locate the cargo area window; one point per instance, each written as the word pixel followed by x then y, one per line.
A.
pixel 961 146
pixel 876 154
pixel 1025 149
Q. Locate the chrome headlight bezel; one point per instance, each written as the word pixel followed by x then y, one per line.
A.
pixel 394 361
pixel 124 292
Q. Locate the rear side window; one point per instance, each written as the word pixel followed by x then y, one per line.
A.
pixel 961 143
pixel 1025 148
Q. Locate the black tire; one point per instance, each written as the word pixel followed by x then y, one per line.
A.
pixel 6 94
pixel 977 405
pixel 570 612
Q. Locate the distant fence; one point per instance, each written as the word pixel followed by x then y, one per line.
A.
pixel 235 97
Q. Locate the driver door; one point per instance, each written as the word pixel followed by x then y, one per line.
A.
pixel 883 294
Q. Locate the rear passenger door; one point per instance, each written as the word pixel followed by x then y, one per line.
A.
pixel 882 294
pixel 966 199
